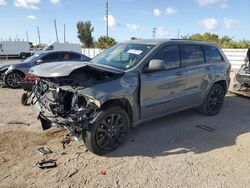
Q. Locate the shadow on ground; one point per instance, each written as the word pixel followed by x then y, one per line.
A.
pixel 178 134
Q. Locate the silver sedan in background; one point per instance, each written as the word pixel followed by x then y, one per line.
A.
pixel 15 72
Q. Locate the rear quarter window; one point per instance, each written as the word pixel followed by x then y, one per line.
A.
pixel 192 55
pixel 212 54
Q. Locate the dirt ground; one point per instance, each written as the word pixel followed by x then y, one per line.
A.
pixel 168 152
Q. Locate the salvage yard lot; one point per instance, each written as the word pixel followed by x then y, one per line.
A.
pixel 168 152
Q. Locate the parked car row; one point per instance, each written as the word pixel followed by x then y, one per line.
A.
pixel 100 100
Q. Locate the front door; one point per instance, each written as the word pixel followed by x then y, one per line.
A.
pixel 162 91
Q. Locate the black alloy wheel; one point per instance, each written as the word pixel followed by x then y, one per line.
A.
pixel 109 130
pixel 214 101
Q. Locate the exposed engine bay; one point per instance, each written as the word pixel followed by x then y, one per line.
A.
pixel 61 102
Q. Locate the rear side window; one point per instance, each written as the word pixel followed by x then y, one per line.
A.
pixel 170 54
pixel 212 54
pixel 192 55
pixel 74 56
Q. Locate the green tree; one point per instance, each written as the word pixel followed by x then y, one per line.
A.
pixel 85 30
pixel 105 42
pixel 223 42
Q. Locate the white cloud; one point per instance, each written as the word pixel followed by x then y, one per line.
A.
pixel 220 3
pixel 111 21
pixel 210 24
pixel 32 17
pixel 132 26
pixel 32 4
pixel 162 32
pixel 55 1
pixel 157 12
pixel 170 10
pixel 231 23
pixel 3 2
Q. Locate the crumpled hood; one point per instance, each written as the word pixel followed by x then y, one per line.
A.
pixel 56 69
pixel 59 69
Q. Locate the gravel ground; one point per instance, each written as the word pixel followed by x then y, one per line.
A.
pixel 168 152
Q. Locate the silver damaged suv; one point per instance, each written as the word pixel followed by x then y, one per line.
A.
pixel 130 83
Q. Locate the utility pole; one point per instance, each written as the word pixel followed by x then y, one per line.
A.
pixel 107 18
pixel 38 32
pixel 27 36
pixel 178 33
pixel 56 30
pixel 64 34
pixel 154 31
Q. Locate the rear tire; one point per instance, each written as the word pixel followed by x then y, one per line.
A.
pixel 13 79
pixel 109 130
pixel 213 102
pixel 23 55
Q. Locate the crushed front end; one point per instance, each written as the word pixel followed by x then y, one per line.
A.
pixel 62 106
pixel 62 102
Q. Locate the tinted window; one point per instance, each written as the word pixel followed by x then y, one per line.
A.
pixel 192 55
pixel 170 54
pixel 51 57
pixel 212 54
pixel 74 56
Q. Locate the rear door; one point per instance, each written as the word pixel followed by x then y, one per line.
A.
pixel 196 71
pixel 162 91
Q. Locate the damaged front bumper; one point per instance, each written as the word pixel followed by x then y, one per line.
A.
pixel 62 108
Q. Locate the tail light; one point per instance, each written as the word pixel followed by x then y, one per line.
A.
pixel 29 77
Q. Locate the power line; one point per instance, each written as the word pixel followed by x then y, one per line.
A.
pixel 27 36
pixel 154 32
pixel 107 18
pixel 38 32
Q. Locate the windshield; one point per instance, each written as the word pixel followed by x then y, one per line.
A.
pixel 123 56
pixel 31 58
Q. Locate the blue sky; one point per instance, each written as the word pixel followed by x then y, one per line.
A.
pixel 127 18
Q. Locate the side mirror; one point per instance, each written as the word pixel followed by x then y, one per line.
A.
pixel 156 65
pixel 39 61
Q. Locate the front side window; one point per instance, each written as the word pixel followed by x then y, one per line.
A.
pixel 123 56
pixel 192 55
pixel 212 54
pixel 170 54
pixel 51 57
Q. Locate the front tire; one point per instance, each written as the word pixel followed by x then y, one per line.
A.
pixel 214 101
pixel 13 79
pixel 109 131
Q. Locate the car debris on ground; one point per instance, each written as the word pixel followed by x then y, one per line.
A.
pixel 44 150
pixel 16 122
pixel 43 164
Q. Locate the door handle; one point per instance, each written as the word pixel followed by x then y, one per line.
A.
pixel 179 73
